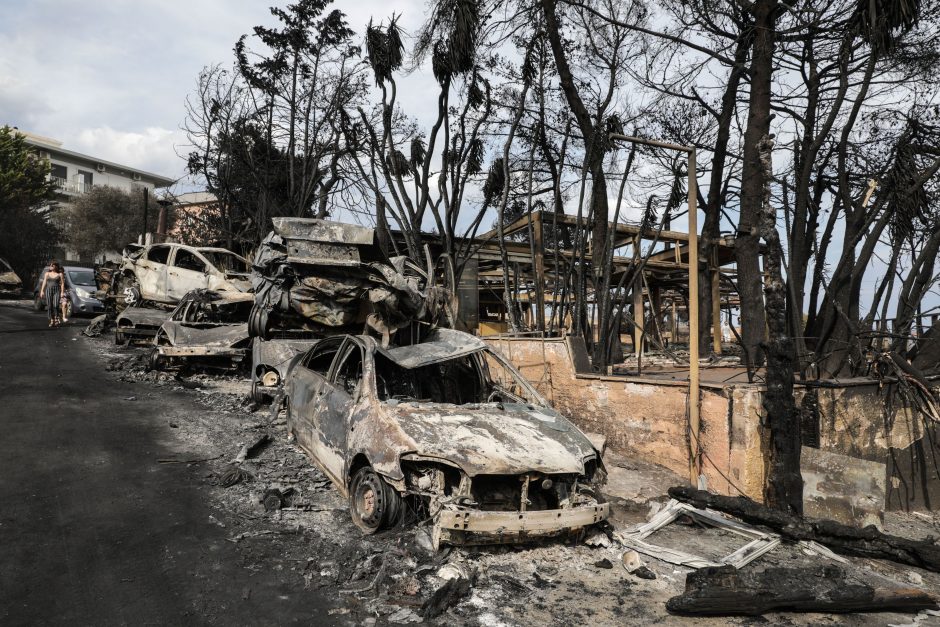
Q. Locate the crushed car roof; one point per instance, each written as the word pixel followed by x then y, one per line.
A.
pixel 440 345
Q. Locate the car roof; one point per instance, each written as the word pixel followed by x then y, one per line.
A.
pixel 440 345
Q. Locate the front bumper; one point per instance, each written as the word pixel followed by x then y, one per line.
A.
pixel 235 354
pixel 87 305
pixel 470 526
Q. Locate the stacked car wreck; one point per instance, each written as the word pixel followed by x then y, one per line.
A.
pixel 410 420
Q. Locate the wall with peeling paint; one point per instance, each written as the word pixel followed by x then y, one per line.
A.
pixel 844 422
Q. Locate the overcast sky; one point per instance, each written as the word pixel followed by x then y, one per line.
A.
pixel 109 78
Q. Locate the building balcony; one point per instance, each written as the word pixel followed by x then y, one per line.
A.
pixel 70 187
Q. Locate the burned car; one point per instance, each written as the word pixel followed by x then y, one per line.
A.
pixel 10 284
pixel 164 273
pixel 138 324
pixel 207 327
pixel 447 430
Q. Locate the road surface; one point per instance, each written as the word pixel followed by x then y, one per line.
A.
pixel 93 530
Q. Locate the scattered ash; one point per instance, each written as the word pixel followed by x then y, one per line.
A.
pixel 289 522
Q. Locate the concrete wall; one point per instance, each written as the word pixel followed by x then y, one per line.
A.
pixel 648 418
pixel 859 457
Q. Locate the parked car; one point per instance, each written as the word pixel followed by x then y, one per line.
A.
pixel 82 287
pixel 10 284
pixel 446 428
pixel 164 273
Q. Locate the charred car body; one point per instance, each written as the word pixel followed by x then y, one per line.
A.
pixel 270 361
pixel 207 327
pixel 10 284
pixel 165 273
pixel 329 278
pixel 445 428
pixel 138 324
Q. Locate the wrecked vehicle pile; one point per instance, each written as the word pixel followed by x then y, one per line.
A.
pixel 447 430
pixel 330 278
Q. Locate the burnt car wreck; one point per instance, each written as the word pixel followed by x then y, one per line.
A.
pixel 446 430
pixel 207 327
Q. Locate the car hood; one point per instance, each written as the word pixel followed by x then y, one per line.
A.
pixel 493 438
pixel 10 279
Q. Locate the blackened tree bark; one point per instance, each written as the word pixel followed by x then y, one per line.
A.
pixel 784 490
pixel 747 243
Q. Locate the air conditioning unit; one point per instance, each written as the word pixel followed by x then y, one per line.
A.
pixel 136 176
pixel 100 167
pixel 44 155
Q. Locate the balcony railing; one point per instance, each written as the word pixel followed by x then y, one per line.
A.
pixel 71 187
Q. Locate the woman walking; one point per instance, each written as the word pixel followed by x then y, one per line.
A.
pixel 53 286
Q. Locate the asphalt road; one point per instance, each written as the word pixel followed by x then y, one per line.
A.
pixel 92 529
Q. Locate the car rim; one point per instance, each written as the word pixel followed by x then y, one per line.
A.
pixel 369 501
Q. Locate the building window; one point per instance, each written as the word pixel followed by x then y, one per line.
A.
pixel 85 178
pixel 59 172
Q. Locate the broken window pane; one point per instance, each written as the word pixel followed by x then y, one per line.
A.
pixel 159 254
pixel 457 381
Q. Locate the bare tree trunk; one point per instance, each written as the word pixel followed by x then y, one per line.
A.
pixel 747 243
pixel 784 489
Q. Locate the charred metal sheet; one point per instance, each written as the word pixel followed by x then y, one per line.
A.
pixel 208 335
pixel 515 524
pixel 440 345
pixel 314 230
pixel 495 438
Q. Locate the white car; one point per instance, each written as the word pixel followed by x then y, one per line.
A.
pixel 164 273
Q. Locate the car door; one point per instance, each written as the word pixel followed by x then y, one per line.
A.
pixel 151 272
pixel 340 394
pixel 305 390
pixel 187 271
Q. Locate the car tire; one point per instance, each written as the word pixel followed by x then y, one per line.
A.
pixel 156 361
pixel 373 504
pixel 258 322
pixel 257 395
pixel 119 338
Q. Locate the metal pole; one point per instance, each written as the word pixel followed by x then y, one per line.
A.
pixel 146 202
pixel 695 460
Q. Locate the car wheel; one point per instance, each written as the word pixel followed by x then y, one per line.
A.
pixel 119 338
pixel 156 361
pixel 257 395
pixel 373 504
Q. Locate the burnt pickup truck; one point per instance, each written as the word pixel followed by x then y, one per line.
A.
pixel 446 429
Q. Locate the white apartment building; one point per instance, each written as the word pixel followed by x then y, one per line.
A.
pixel 75 173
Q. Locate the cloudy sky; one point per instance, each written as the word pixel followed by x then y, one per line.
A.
pixel 109 78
